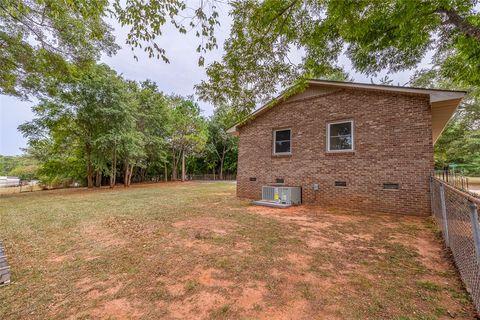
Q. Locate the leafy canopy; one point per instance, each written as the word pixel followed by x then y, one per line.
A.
pixel 392 35
pixel 43 42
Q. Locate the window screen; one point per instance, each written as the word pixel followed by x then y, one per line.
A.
pixel 340 136
pixel 282 141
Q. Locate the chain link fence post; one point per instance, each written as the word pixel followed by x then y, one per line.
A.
pixel 475 229
pixel 432 196
pixel 444 215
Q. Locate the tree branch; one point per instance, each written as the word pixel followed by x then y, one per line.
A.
pixel 454 18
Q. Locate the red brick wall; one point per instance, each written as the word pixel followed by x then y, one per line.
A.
pixel 393 143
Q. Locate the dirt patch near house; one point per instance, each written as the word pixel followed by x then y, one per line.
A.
pixel 431 255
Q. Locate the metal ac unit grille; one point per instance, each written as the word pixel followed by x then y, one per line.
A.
pixel 268 193
pixel 288 195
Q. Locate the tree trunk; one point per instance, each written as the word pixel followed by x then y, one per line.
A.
pixel 88 150
pixel 89 175
pixel 221 163
pixel 174 167
pixel 130 175
pixel 126 173
pixel 98 179
pixel 113 174
pixel 183 166
pixel 166 172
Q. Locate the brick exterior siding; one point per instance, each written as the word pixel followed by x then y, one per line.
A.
pixel 392 142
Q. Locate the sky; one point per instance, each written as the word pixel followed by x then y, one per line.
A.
pixel 179 76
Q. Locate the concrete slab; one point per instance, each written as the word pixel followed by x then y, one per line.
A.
pixel 272 204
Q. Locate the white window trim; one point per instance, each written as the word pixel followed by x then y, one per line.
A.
pixel 353 136
pixel 275 140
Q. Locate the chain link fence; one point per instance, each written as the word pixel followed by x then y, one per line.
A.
pixel 457 216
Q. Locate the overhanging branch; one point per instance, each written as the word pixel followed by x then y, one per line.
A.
pixel 455 19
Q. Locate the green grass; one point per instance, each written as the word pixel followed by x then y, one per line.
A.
pixel 195 251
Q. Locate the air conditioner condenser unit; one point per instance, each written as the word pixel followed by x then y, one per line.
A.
pixel 282 195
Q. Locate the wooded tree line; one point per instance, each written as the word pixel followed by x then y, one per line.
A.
pixel 24 167
pixel 100 127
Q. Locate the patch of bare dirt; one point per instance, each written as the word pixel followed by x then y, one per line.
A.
pixel 311 217
pixel 295 310
pixel 197 306
pixel 222 194
pixel 101 236
pixel 430 251
pixel 204 226
pixel 209 277
pixel 198 245
pixel 121 309
pixel 300 261
pixel 252 296
pixel 359 236
pixel 58 259
pixel 96 289
pixel 242 246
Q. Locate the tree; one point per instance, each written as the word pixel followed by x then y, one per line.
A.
pixel 44 42
pixel 220 142
pixel 25 167
pixel 460 141
pixel 391 35
pixel 92 114
pixel 153 121
pixel 188 133
pixel 146 19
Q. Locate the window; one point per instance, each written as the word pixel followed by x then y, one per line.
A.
pixel 282 141
pixel 340 183
pixel 340 136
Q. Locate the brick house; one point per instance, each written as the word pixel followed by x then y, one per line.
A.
pixel 347 145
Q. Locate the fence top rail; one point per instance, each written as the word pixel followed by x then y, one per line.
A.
pixel 462 193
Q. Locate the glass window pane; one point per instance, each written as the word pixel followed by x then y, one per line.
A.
pixel 340 129
pixel 282 146
pixel 282 135
pixel 341 143
pixel 340 136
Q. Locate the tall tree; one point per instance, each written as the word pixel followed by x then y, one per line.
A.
pixel 43 41
pixel 390 35
pixel 153 121
pixel 188 133
pixel 220 142
pixel 95 111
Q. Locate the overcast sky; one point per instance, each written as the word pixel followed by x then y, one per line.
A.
pixel 177 77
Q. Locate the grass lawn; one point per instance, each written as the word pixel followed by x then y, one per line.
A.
pixel 194 251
